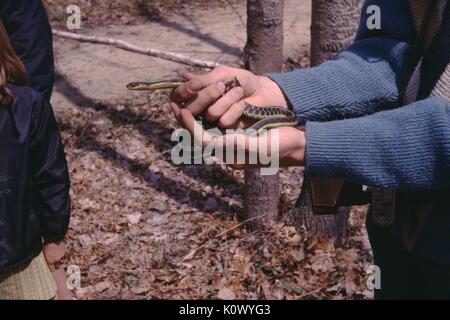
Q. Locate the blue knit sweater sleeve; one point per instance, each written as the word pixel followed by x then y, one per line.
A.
pixel 407 148
pixel 365 78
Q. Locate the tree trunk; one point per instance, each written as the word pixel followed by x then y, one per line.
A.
pixel 334 26
pixel 263 53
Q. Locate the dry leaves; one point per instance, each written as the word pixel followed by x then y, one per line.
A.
pixel 226 294
pixel 143 228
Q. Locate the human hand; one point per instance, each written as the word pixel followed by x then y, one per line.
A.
pixel 54 252
pixel 288 142
pixel 203 94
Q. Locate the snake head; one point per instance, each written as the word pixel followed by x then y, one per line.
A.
pixel 232 84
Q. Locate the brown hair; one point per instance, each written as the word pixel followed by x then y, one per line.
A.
pixel 12 69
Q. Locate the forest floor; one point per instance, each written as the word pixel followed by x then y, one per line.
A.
pixel 144 228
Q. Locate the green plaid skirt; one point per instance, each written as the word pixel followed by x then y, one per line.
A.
pixel 30 281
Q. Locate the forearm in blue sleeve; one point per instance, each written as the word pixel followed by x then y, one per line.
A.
pixel 407 148
pixel 366 78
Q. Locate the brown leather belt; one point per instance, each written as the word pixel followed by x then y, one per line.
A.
pixel 328 195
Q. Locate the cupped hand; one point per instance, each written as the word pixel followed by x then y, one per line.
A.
pixel 204 94
pixel 54 252
pixel 290 142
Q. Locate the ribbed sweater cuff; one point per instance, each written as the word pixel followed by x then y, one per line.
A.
pixel 303 93
pixel 331 147
pixel 407 148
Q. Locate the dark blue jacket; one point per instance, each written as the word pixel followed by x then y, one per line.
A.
pixel 34 178
pixel 29 30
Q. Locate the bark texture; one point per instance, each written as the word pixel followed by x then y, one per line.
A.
pixel 263 53
pixel 333 28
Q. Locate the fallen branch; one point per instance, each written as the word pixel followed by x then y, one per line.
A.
pixel 309 293
pixel 172 56
pixel 193 252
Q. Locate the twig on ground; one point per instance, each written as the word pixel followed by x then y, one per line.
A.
pixel 310 293
pixel 168 55
pixel 191 254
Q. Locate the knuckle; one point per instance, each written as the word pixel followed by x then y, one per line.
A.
pixel 182 93
pixel 225 122
pixel 214 91
pixel 212 115
pixel 194 109
pixel 239 108
pixel 220 86
pixel 224 71
pixel 237 93
pixel 221 69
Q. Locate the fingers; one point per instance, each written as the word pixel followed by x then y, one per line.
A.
pixel 243 149
pixel 186 91
pixel 233 141
pixel 188 121
pixel 221 73
pixel 188 76
pixel 196 83
pixel 232 116
pixel 176 111
pixel 221 106
pixel 206 97
pixel 246 150
pixel 236 142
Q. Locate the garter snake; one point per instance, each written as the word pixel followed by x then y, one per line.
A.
pixel 265 117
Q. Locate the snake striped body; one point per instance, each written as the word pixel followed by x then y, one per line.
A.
pixel 265 117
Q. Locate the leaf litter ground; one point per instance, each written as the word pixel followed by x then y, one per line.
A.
pixel 144 228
